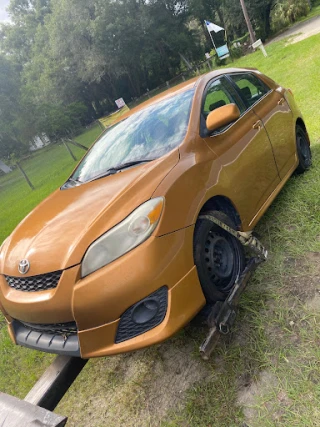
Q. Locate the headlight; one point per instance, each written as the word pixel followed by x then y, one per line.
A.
pixel 131 232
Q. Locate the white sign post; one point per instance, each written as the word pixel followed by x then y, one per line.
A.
pixel 259 44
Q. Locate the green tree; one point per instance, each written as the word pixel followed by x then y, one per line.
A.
pixel 288 11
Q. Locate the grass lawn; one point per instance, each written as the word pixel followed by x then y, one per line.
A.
pixel 267 371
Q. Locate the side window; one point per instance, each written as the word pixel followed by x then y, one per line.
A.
pixel 251 88
pixel 218 93
pixel 216 97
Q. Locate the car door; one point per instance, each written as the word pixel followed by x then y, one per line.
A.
pixel 243 150
pixel 272 108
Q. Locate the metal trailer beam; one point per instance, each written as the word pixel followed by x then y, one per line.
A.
pixel 16 413
pixel 34 410
pixel 55 382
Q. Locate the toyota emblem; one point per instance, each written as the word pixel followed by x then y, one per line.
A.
pixel 24 266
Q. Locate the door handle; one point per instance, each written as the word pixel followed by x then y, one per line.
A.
pixel 257 125
pixel 281 101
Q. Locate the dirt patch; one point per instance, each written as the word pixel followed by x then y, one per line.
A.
pixel 174 373
pixel 264 393
pixel 314 258
pixel 138 389
pixel 252 396
pixel 313 304
pixel 305 285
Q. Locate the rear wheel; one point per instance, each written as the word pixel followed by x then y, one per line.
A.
pixel 303 150
pixel 218 255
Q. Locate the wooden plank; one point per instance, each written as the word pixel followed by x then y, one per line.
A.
pixel 55 382
pixel 18 413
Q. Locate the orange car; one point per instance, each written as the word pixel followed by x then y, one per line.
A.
pixel 118 259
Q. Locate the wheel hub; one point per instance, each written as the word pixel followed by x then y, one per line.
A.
pixel 219 256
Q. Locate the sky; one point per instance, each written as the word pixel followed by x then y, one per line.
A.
pixel 3 13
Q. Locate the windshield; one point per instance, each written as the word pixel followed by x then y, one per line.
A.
pixel 146 135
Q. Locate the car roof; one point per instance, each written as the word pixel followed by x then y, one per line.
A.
pixel 180 88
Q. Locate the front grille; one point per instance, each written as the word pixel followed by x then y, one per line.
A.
pixel 43 282
pixel 128 328
pixel 64 329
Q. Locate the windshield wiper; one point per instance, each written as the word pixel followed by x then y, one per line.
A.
pixel 75 181
pixel 118 168
pixel 70 183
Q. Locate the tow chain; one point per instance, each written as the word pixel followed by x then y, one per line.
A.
pixel 245 238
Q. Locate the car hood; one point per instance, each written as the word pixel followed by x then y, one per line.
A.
pixel 57 233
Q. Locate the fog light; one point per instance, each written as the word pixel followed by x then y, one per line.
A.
pixel 143 316
pixel 145 311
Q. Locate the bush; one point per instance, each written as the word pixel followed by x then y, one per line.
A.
pixel 236 52
pixel 220 62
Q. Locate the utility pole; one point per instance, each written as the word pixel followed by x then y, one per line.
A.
pixel 246 17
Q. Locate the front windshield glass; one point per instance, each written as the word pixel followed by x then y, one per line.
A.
pixel 146 135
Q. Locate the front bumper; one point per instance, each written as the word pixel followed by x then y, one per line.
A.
pixel 47 342
pixel 98 302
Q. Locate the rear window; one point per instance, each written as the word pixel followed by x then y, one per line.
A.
pixel 251 88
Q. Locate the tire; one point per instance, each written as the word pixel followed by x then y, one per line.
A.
pixel 218 256
pixel 303 150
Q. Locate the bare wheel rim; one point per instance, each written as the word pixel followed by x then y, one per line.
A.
pixel 220 260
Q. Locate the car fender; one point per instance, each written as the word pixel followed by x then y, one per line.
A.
pixel 195 180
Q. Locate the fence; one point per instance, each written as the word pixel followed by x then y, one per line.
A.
pixel 30 169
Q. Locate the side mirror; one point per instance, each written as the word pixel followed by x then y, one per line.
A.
pixel 222 116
